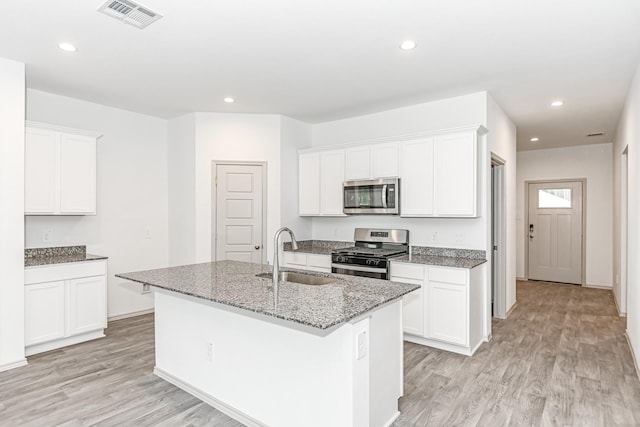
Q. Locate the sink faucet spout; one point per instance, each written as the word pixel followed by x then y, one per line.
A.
pixel 276 263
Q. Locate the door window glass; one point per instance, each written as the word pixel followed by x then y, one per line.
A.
pixel 554 198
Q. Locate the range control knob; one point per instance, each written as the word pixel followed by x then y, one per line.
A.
pixel 373 261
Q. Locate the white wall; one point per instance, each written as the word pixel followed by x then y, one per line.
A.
pixel 628 136
pixel 295 135
pixel 12 101
pixel 593 162
pixel 132 194
pixel 181 176
pixel 501 141
pixel 432 116
pixel 234 137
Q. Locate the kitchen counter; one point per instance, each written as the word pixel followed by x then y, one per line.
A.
pixel 332 352
pixel 317 247
pixel 58 255
pixel 233 283
pixel 440 261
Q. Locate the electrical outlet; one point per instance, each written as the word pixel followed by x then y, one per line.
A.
pixel 209 356
pixel 435 238
pixel 147 233
pixel 46 236
pixel 459 238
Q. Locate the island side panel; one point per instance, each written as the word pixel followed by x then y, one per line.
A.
pixel 386 381
pixel 259 372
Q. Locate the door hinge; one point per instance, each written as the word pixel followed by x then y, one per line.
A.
pixel 495 248
pixel 216 180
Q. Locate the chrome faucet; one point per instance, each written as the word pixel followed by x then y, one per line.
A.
pixel 276 264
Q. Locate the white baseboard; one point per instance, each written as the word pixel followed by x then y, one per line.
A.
pixel 599 287
pixel 128 315
pixel 522 279
pixel 633 355
pixel 392 420
pixel 63 342
pixel 620 313
pixel 13 365
pixel 208 399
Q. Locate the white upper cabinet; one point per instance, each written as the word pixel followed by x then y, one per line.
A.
pixel 320 177
pixel 371 161
pixel 309 183
pixel 357 163
pixel 456 174
pixel 439 175
pixel 60 171
pixel 331 179
pixel 384 160
pixel 416 184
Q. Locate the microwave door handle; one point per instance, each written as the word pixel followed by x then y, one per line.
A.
pixel 384 196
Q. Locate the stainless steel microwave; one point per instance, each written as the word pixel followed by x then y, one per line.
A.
pixel 372 196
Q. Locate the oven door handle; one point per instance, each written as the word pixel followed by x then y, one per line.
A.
pixel 359 268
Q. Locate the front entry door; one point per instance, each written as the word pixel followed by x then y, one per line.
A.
pixel 555 232
pixel 239 211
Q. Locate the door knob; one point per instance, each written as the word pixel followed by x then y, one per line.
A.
pixel 257 246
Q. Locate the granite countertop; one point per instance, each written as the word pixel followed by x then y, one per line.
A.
pixel 318 247
pixel 58 255
pixel 442 257
pixel 440 261
pixel 234 283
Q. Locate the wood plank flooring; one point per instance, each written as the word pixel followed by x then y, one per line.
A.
pixel 561 359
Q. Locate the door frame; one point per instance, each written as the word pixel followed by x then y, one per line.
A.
pixel 214 205
pixel 499 229
pixel 624 228
pixel 583 267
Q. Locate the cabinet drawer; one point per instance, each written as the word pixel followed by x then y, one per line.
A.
pixel 319 261
pixel 448 275
pixel 408 271
pixel 49 273
pixel 295 259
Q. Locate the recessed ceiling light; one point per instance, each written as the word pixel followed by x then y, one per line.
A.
pixel 535 139
pixel 67 47
pixel 229 99
pixel 557 103
pixel 408 45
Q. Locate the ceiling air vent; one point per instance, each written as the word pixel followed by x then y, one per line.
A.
pixel 129 12
pixel 596 134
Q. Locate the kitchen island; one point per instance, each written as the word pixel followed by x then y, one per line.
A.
pixel 313 355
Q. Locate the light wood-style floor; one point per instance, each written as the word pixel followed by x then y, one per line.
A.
pixel 561 359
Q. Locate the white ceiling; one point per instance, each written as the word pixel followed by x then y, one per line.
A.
pixel 319 60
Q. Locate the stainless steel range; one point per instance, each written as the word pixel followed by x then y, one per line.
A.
pixel 372 253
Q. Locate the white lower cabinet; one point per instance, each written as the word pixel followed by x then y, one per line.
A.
pixel 65 304
pixel 446 312
pixel 412 303
pixel 44 312
pixel 304 261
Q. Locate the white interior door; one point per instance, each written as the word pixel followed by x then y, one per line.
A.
pixel 555 231
pixel 239 211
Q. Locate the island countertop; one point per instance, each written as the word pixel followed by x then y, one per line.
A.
pixel 234 283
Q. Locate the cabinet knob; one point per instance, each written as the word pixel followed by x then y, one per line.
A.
pixel 257 247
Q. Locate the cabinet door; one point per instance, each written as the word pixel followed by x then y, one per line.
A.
pixel 309 183
pixel 455 178
pixel 87 305
pixel 44 312
pixel 412 303
pixel 384 160
pixel 331 179
pixel 416 184
pixel 357 163
pixel 447 303
pixel 77 174
pixel 40 171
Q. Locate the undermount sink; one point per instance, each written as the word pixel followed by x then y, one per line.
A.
pixel 304 279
